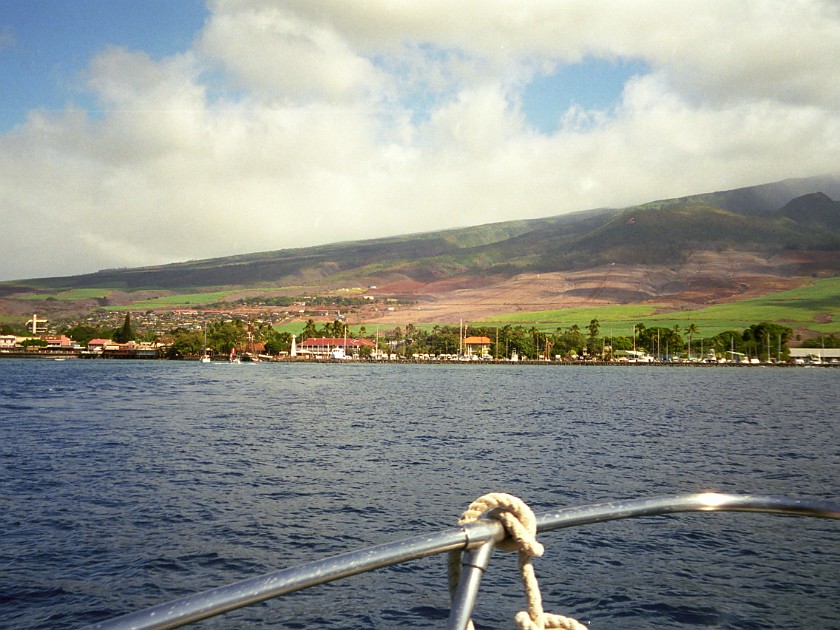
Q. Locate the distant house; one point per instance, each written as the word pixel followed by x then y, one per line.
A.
pixel 55 342
pixel 321 347
pixel 7 342
pixel 479 346
pixel 99 345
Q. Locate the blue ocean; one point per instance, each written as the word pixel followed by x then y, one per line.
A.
pixel 125 484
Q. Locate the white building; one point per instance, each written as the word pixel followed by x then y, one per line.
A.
pixel 823 354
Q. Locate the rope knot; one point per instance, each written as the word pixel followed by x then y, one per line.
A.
pixel 521 526
pixel 518 520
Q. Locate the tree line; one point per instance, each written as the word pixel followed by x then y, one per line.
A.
pixel 764 340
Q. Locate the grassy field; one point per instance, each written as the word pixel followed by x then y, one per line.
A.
pixel 72 294
pixel 816 307
pixel 580 316
pixel 185 300
pixel 295 328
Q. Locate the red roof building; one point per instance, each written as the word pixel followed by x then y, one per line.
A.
pixel 58 341
pixel 477 345
pixel 98 345
pixel 323 346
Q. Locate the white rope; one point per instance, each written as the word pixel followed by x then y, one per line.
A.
pixel 521 527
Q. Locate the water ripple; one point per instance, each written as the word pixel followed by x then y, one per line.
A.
pixel 126 484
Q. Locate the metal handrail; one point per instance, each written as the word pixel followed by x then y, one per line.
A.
pixel 482 533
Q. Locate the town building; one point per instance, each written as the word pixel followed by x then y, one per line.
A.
pixel 322 347
pixel 815 355
pixel 99 345
pixel 477 346
pixel 56 342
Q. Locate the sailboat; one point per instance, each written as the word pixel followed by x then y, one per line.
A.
pixel 339 352
pixel 205 358
pixel 233 358
pixel 251 355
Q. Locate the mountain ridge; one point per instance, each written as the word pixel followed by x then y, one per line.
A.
pixel 544 242
pixel 689 250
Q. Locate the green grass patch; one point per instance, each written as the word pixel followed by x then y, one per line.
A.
pixel 186 300
pixel 616 319
pixel 72 294
pixel 815 306
pixel 294 328
pixel 569 316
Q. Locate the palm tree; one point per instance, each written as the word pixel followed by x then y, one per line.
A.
pixel 594 328
pixel 309 331
pixel 535 336
pixel 638 329
pixel 691 330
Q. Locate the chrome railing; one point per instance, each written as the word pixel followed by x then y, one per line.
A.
pixel 476 539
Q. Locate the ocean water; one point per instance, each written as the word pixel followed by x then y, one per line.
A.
pixel 126 484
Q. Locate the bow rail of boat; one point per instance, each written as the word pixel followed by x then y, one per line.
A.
pixel 477 539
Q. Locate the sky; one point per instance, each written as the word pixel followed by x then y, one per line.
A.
pixel 142 133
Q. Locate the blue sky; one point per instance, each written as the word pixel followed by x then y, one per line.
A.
pixel 136 133
pixel 591 84
pixel 48 44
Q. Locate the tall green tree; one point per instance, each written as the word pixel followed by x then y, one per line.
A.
pixel 442 340
pixel 126 333
pixel 822 341
pixel 309 331
pixel 592 342
pixel 765 339
pixel 334 329
pixel 225 336
pixel 660 340
pixel 186 343
pixel 277 342
pixel 83 333
pixel 690 330
pixel 569 342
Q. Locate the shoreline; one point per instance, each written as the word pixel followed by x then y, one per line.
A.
pixel 66 356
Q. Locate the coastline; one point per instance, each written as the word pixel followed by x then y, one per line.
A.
pixel 55 355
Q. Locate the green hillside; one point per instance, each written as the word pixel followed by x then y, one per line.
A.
pixel 815 307
pixel 791 228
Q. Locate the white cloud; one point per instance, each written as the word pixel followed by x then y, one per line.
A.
pixel 275 53
pixel 309 121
